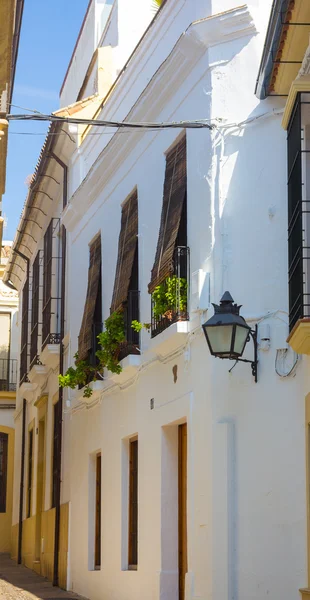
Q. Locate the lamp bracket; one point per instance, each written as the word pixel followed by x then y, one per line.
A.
pixel 254 362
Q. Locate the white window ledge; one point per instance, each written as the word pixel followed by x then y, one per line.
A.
pixel 97 388
pixel 37 373
pixel 27 390
pixel 50 355
pixel 130 366
pixel 169 340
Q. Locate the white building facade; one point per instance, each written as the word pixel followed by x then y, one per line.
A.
pixel 180 478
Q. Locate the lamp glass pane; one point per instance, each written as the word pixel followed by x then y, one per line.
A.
pixel 220 338
pixel 240 339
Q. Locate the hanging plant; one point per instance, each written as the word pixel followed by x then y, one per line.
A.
pixel 170 297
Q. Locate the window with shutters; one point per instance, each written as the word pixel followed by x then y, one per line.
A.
pixel 35 304
pixel 169 283
pixel 30 472
pixel 4 438
pixel 24 333
pixel 298 155
pixel 51 285
pixel 133 505
pixel 56 465
pixel 91 324
pixel 126 295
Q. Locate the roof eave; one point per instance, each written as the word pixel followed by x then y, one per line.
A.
pixel 279 8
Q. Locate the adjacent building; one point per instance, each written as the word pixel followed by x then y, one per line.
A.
pixel 8 378
pixel 168 474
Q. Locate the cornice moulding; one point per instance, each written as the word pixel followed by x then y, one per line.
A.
pixel 189 49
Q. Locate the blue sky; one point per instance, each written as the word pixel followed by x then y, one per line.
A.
pixel 49 32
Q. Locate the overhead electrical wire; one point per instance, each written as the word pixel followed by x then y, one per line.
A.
pixel 197 124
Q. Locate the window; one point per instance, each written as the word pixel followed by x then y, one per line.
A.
pixel 30 470
pixel 24 333
pixel 170 273
pixel 91 324
pixel 126 285
pixel 51 285
pixel 35 310
pixel 3 470
pixel 56 453
pixel 298 155
pixel 133 505
pixel 98 513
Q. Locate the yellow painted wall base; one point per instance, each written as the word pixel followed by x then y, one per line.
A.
pixel 45 565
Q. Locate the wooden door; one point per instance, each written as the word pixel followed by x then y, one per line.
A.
pixel 40 487
pixel 182 484
pixel 98 513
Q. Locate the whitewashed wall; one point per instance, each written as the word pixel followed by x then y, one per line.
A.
pixel 246 452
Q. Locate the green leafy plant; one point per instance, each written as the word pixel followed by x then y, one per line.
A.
pixel 111 341
pixel 169 296
pixel 137 326
pixel 78 376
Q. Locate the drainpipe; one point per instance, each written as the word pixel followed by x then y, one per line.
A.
pixel 22 462
pixel 61 370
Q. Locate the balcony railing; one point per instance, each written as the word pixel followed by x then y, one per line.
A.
pixel 170 300
pixel 131 313
pixel 51 338
pixel 8 374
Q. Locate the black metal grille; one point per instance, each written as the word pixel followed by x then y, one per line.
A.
pixel 35 310
pixel 298 228
pixel 24 334
pixel 176 308
pixel 4 438
pixel 8 374
pixel 51 283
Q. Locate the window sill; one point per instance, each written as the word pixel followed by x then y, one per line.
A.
pixel 299 338
pixel 50 355
pixel 27 390
pixel 130 366
pixel 170 339
pixel 97 388
pixel 132 568
pixel 37 373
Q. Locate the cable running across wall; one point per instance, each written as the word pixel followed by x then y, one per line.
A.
pixel 197 124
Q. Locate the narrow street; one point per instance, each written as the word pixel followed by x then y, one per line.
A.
pixel 19 583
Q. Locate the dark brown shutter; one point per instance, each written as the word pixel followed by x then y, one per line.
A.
pixel 126 251
pixel 94 274
pixel 174 194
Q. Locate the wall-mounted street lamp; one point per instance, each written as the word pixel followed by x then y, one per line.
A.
pixel 227 333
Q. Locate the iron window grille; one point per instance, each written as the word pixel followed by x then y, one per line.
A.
pixel 36 303
pixel 177 309
pixel 8 374
pixel 4 439
pixel 51 285
pixel 24 333
pixel 298 157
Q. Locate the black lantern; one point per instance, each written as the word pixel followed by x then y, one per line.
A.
pixel 227 333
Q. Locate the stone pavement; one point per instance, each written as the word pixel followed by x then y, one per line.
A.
pixel 19 583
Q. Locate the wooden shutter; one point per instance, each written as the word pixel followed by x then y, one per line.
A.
pixel 30 463
pixel 174 194
pixel 94 274
pixel 126 251
pixel 3 470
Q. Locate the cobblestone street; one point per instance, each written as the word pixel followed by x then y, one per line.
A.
pixel 19 583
